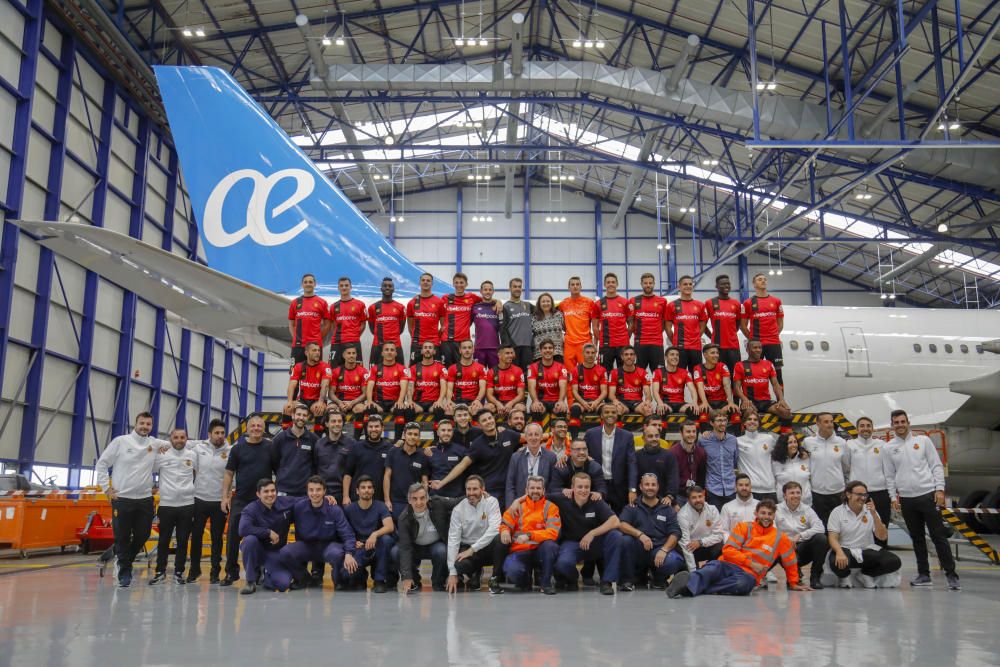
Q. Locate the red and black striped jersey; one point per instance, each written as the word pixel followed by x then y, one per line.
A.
pixel 505 382
pixel 724 318
pixel 388 381
pixel 387 321
pixel 755 378
pixel 650 313
pixel 466 380
pixel 713 380
pixel 307 313
pixel 456 316
pixel 687 317
pixel 629 385
pixel 426 312
pixel 547 379
pixel 349 383
pixel 589 381
pixel 672 384
pixel 348 319
pixel 613 313
pixel 763 314
pixel 426 379
pixel 310 379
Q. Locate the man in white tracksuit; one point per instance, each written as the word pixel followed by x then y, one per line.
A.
pixel 130 459
pixel 756 448
pixel 474 536
pixel 176 469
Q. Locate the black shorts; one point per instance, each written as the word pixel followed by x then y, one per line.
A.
pixel 649 357
pixel 676 408
pixel 729 358
pixel 611 357
pixel 630 406
pixel 337 353
pixel 762 406
pixel 298 355
pixel 415 357
pixel 690 359
pixel 550 407
pixel 717 405
pixel 773 354
pixel 449 352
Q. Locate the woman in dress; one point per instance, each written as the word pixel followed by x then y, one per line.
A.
pixel 790 463
pixel 547 322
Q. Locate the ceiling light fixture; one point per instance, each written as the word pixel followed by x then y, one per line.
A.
pixel 459 42
pixel 339 41
pixel 599 44
pixel 577 43
pixel 187 32
pixel 942 227
pixel 199 32
pixel 326 41
pixel 482 41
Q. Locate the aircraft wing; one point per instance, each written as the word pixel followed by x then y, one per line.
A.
pixel 981 408
pixel 205 299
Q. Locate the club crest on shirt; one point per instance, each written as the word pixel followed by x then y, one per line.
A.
pixel 803 466
pixel 864 519
pixel 149 448
pixel 876 450
pixel 708 522
pixel 483 517
pixel 765 446
pixel 916 446
pixel 224 455
pixel 836 448
pixel 187 462
pixel 802 520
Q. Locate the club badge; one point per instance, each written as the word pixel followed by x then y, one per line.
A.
pixel 836 448
pixel 708 522
pixel 864 519
pixel 876 450
pixel 802 520
pixel 916 446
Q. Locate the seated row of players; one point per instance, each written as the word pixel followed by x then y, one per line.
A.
pixel 612 321
pixel 548 386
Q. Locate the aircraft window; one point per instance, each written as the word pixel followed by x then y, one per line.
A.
pixel 964 348
pixel 948 348
pixel 794 344
pixel 932 347
pixel 979 349
pixel 825 346
pixel 916 348
pixel 809 345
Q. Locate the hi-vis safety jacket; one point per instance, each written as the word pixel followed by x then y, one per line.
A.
pixel 539 519
pixel 749 542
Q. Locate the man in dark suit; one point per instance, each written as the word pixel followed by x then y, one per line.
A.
pixel 532 460
pixel 614 449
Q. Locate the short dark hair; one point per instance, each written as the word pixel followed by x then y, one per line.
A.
pixel 820 414
pixel 899 413
pixel 649 419
pixel 719 278
pixel 486 282
pixel 683 278
pixel 742 475
pixel 790 485
pixel 216 423
pixel 767 504
pixel 546 341
pixel 866 419
pixel 307 275
pixel 484 411
pixel 316 479
pixel 514 280
pixel 362 479
pixel 695 489
pixel 343 278
pixel 608 275
pixel 646 275
pixel 851 485
pixel 710 346
pixel 459 274
pixel 758 275
pixel 143 415
pixel 505 346
pixel 476 478
pixel 627 348
pixel 670 349
pixel 311 343
pixel 265 481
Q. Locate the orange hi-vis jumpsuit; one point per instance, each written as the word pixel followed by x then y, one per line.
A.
pixel 748 543
pixel 540 521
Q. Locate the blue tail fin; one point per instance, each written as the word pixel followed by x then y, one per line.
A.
pixel 266 214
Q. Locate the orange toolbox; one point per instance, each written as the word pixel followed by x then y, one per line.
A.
pixel 46 519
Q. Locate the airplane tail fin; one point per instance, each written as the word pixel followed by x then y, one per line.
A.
pixel 266 214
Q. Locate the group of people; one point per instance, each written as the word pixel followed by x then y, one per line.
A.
pixel 701 516
pixel 564 359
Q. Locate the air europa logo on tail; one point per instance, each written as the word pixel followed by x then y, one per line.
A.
pixel 255 225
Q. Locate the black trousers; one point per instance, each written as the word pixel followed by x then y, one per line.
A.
pixel 132 521
pixel 233 538
pixel 206 511
pixel 875 563
pixel 649 357
pixel 179 520
pixel 611 357
pixel 449 352
pixel 718 501
pixel 812 551
pixel 690 359
pixel 494 554
pixel 824 503
pixel 765 496
pixel 729 358
pixel 713 552
pixel 773 354
pixel 883 507
pixel 524 355
pixel 922 514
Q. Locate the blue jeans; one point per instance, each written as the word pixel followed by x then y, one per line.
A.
pixel 295 555
pixel 718 577
pixel 637 562
pixel 379 559
pixel 257 556
pixel 438 554
pixel 606 547
pixel 518 565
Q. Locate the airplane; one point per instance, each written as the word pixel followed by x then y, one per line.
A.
pixel 266 214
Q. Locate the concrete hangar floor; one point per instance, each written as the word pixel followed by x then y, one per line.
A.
pixel 69 616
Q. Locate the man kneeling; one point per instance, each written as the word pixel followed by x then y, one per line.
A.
pixel 264 531
pixel 529 530
pixel 750 551
pixel 422 531
pixel 474 537
pixel 852 529
pixel 651 535
pixel 322 535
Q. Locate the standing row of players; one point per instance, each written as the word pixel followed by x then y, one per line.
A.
pixel 613 322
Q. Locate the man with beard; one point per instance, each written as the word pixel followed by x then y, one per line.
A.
pixel 474 537
pixel 651 534
pixel 386 319
pixel 490 453
pixel 701 531
pixel 373 531
pixel 212 456
pixel 654 459
pixel 292 455
pixel 367 458
pixel 330 454
pixel 445 455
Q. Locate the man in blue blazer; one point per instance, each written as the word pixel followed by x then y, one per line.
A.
pixel 532 459
pixel 614 449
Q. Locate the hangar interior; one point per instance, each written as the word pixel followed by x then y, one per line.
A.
pixel 848 149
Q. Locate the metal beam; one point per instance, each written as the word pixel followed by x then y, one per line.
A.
pixel 635 178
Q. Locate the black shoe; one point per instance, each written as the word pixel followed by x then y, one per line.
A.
pixel 314 580
pixel 495 587
pixel 179 578
pixel 298 585
pixel 439 589
pixel 125 580
pixel 475 582
pixel 627 587
pixel 678 585
pixel 380 587
pixel 249 589
pixel 607 588
pixel 570 586
pixel 549 590
pixel 658 586
pixel 194 576
pixel 228 581
pixel 158 578
pixel 816 585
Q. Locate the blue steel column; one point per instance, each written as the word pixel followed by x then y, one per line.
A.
pixel 599 246
pixel 816 286
pixel 18 167
pixel 671 254
pixel 81 395
pixel 207 375
pixel 227 386
pixel 259 400
pixel 526 192
pixel 458 229
pixel 120 422
pixel 183 378
pixel 46 259
pixel 244 382
pixel 743 266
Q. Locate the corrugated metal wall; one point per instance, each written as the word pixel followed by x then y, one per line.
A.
pixel 79 356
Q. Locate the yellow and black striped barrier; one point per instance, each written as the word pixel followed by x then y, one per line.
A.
pixel 972 536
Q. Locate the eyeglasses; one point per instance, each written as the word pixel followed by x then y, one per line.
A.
pixel 863 496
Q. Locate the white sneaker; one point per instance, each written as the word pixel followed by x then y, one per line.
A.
pixel 844 582
pixel 866 581
pixel 771 578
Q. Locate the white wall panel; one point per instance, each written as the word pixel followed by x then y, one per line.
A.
pixel 117 213
pixel 106 344
pixel 496 250
pixel 53 446
pixel 427 251
pixel 17 366
pixel 51 38
pixel 77 188
pixel 142 361
pixel 139 400
pixel 61 337
pixel 168 413
pixel 109 303
pixel 59 375
pixel 12 31
pixel 10 441
pixel 22 307
pixel 145 322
